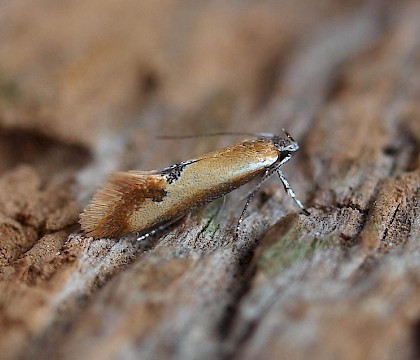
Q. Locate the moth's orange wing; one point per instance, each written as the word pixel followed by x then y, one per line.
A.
pixel 108 213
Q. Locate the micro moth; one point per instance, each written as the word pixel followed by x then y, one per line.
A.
pixel 143 201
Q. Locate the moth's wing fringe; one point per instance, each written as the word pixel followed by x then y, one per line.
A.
pixel 104 216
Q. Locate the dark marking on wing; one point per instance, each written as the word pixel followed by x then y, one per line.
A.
pixel 174 172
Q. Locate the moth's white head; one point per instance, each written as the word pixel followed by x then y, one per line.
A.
pixel 287 144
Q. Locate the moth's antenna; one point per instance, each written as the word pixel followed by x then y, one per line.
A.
pixel 288 135
pixel 166 137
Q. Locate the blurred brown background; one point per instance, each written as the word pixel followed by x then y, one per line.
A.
pixel 86 86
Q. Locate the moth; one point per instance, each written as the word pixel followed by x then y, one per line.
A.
pixel 144 201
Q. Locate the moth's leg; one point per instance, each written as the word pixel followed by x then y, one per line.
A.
pixel 266 175
pixel 157 229
pixel 285 160
pixel 290 191
pixel 150 233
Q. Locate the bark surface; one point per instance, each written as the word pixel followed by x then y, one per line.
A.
pixel 85 87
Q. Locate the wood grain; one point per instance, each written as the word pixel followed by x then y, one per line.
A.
pixel 87 99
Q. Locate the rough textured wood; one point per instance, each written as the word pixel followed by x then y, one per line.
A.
pixel 84 87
